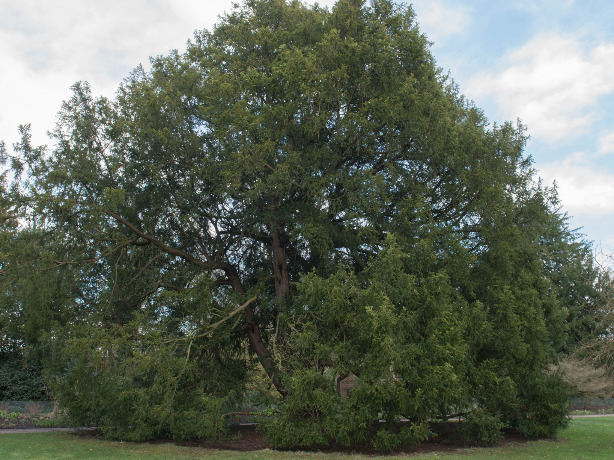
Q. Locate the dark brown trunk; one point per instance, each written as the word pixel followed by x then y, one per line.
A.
pixel 253 333
pixel 280 270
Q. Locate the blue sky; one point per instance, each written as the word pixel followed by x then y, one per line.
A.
pixel 548 62
pixel 551 64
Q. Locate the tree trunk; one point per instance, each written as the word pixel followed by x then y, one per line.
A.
pixel 280 269
pixel 253 333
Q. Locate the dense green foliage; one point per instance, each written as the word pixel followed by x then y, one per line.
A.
pixel 303 189
pixel 20 381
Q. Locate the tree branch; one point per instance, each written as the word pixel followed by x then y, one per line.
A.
pixel 169 250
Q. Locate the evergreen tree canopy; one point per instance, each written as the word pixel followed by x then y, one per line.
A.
pixel 305 190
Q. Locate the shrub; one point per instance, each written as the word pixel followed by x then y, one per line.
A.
pixel 20 381
pixel 481 427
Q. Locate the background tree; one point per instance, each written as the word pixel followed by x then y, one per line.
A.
pixel 20 365
pixel 305 188
pixel 596 349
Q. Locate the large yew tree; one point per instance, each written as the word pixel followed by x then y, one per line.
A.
pixel 304 194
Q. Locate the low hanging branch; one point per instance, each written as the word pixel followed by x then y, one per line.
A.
pixel 252 329
pixel 237 310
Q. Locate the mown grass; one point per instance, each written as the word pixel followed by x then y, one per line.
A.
pixel 586 438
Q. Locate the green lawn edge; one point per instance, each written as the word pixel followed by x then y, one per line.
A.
pixel 585 438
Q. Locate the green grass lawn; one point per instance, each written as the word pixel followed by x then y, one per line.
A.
pixel 586 438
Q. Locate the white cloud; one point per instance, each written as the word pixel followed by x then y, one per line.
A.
pixel 441 20
pixel 551 83
pixel 46 46
pixel 605 144
pixel 584 188
pixel 88 37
